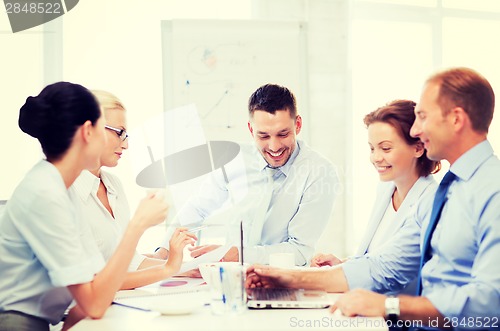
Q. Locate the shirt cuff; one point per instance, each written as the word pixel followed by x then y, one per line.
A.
pixel 255 255
pixel 357 273
pixel 77 274
pixel 449 300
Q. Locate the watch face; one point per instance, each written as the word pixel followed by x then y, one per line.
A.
pixel 392 306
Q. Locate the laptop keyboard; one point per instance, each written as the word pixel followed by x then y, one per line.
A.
pixel 270 294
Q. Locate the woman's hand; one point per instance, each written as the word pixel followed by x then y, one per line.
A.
pixel 180 239
pixel 322 260
pixel 152 210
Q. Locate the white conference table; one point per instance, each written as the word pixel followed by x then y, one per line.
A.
pixel 121 318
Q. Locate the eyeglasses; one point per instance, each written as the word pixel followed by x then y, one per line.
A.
pixel 120 132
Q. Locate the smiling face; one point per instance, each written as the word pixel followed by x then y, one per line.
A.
pixel 275 135
pixel 433 128
pixel 392 157
pixel 115 146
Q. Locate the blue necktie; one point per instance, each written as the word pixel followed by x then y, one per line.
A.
pixel 437 208
pixel 263 207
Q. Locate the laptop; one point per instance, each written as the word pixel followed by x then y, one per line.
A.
pixel 261 298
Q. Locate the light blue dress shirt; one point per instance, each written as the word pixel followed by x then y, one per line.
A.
pixel 43 247
pixel 462 279
pixel 299 209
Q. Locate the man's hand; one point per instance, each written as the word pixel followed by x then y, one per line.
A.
pixel 264 276
pixel 232 255
pixel 194 273
pixel 322 260
pixel 360 302
pixel 201 250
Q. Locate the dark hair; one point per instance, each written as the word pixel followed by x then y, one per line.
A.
pixel 465 88
pixel 400 115
pixel 272 97
pixel 55 114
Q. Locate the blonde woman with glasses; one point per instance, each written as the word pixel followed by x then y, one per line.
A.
pixel 104 204
pixel 104 207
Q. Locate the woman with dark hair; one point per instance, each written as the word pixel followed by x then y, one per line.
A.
pixel 46 257
pixel 404 172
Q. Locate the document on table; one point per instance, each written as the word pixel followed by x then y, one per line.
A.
pixel 210 257
pixel 165 287
pixel 190 291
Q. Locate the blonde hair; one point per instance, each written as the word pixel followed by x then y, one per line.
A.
pixel 107 100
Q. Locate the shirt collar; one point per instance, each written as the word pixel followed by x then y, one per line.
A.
pixel 86 184
pixel 105 177
pixel 467 164
pixel 285 169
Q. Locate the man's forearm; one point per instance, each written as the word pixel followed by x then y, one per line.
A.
pixel 420 309
pixel 330 280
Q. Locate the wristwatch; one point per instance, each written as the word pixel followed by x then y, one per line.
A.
pixel 392 308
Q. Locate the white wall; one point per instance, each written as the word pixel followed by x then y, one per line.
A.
pixel 329 92
pixel 21 73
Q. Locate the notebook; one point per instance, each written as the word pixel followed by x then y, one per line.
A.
pixel 155 295
pixel 286 298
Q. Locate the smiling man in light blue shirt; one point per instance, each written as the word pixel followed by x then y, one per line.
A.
pixel 282 190
pixel 461 280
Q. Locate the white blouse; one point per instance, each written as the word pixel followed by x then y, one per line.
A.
pixel 385 230
pixel 107 231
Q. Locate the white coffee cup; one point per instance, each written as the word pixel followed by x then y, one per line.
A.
pixel 282 260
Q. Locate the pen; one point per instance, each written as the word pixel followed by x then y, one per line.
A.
pixel 129 306
pixel 198 228
pixel 243 271
pixel 241 241
pixel 222 284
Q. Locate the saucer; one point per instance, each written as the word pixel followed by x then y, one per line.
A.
pixel 176 308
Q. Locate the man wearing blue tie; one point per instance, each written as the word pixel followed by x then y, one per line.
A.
pixel 458 268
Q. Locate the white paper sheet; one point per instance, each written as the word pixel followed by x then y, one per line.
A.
pixel 210 257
